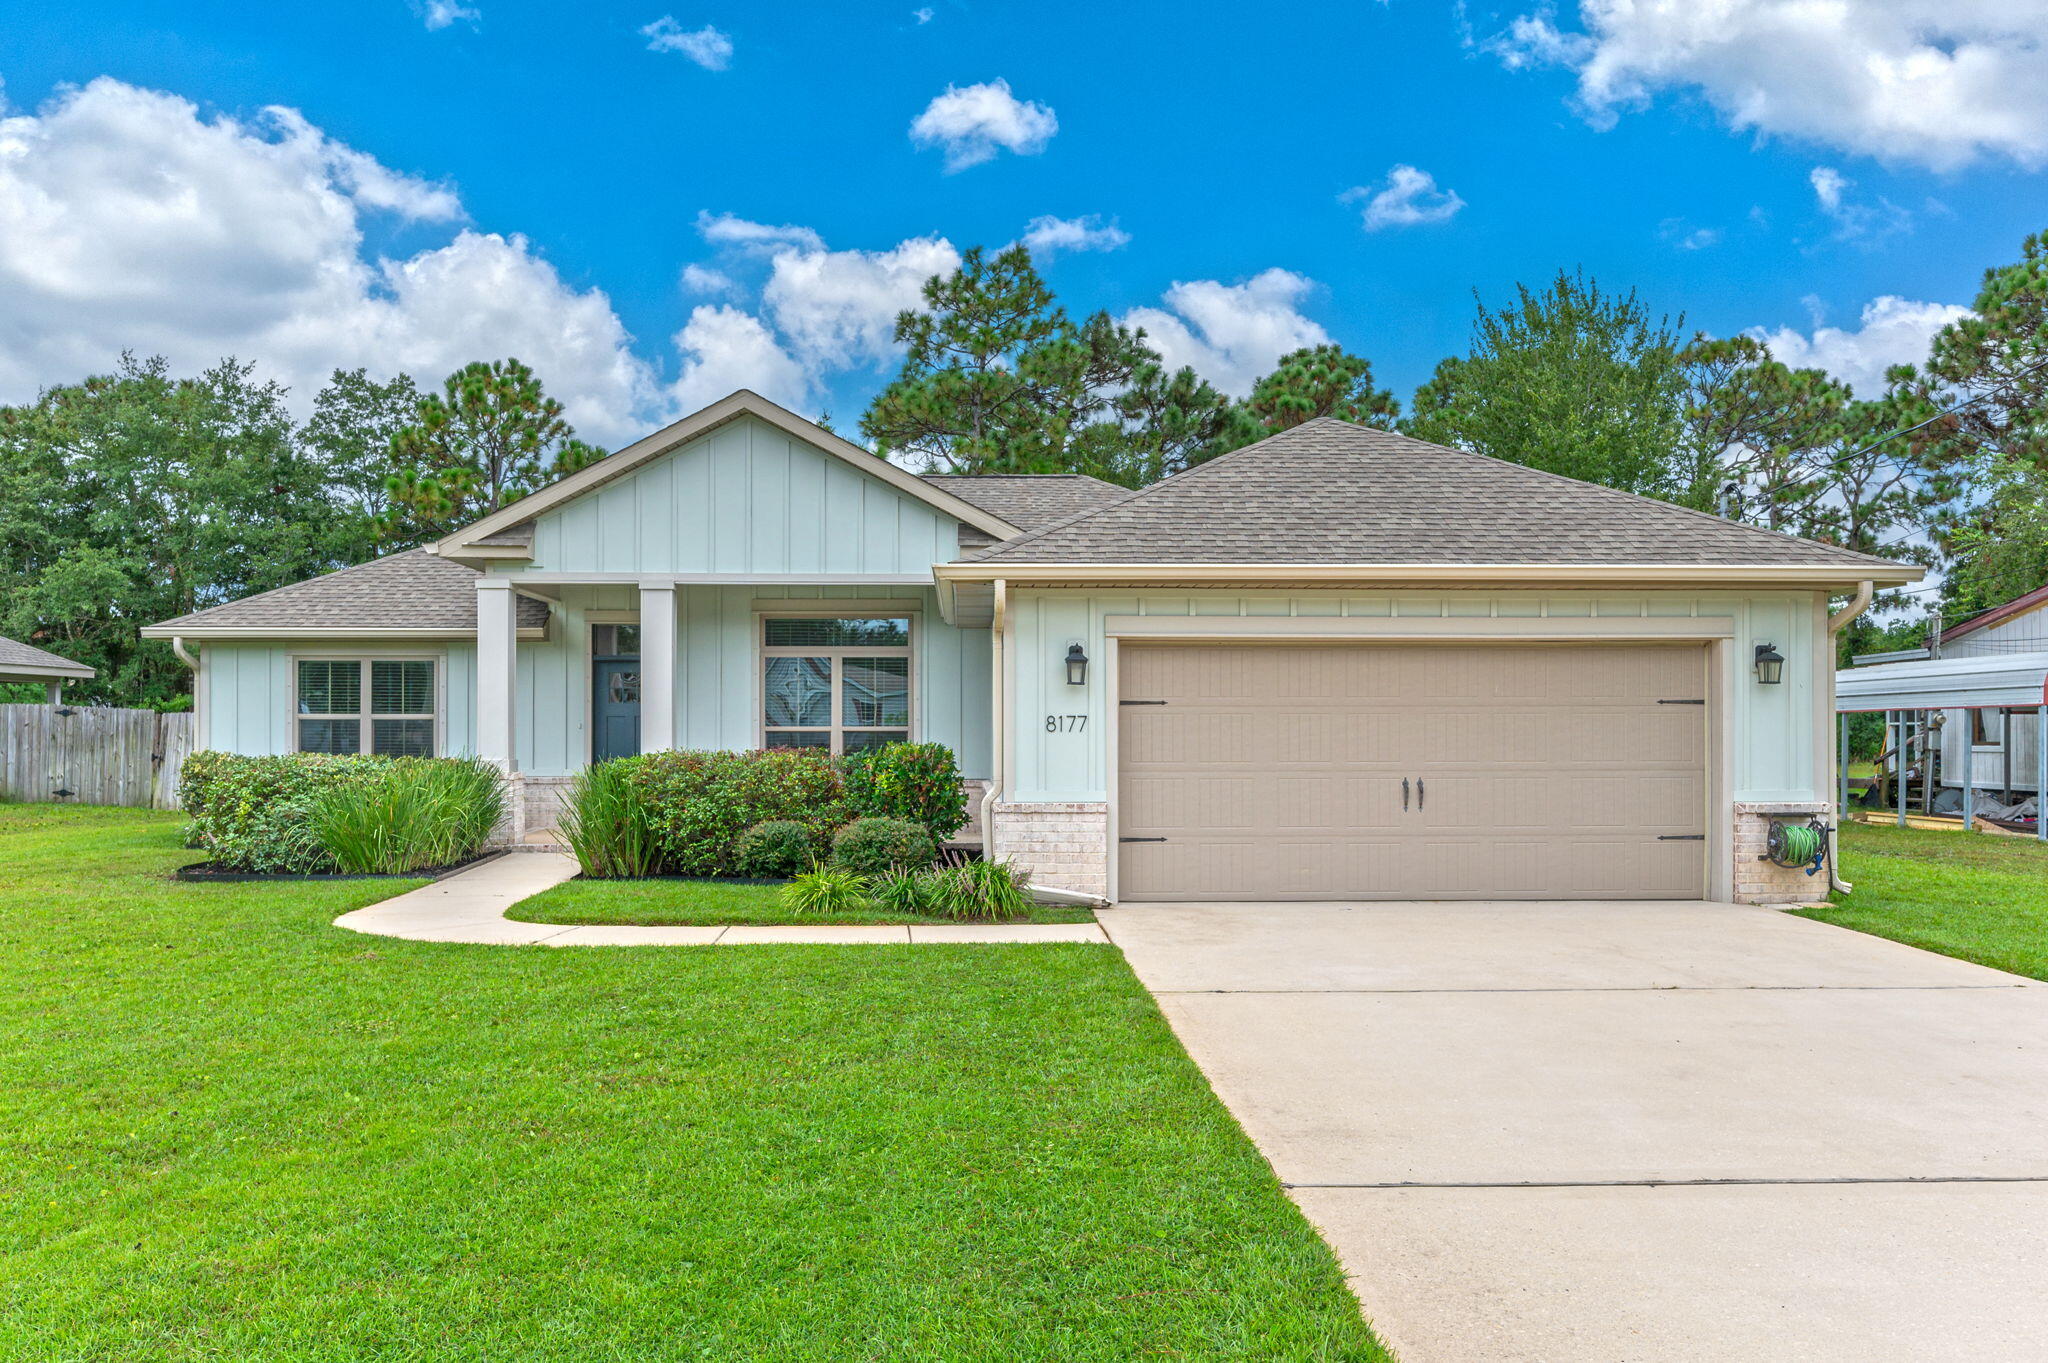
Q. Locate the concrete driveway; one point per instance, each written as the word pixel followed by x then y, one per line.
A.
pixel 1622 1132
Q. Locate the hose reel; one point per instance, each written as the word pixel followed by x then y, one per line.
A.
pixel 1798 846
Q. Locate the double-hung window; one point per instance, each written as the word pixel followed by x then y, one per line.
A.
pixel 836 684
pixel 385 706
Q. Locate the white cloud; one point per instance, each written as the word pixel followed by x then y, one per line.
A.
pixel 442 13
pixel 838 309
pixel 755 238
pixel 1048 236
pixel 923 16
pixel 703 279
pixel 1686 237
pixel 1893 331
pixel 724 348
pixel 129 221
pixel 1852 219
pixel 974 122
pixel 705 46
pixel 1231 333
pixel 1936 82
pixel 1406 198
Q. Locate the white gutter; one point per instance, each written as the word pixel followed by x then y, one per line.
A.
pixel 1858 604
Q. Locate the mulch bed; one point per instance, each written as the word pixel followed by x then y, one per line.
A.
pixel 206 872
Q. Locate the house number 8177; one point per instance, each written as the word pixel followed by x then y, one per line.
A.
pixel 1065 724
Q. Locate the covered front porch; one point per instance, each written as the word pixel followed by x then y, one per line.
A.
pixel 639 663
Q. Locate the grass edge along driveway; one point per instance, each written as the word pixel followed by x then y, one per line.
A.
pixel 665 903
pixel 1975 896
pixel 229 1130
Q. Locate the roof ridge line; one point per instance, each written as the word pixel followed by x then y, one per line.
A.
pixel 1136 492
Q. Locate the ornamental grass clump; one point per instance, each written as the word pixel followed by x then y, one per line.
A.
pixel 826 890
pixel 411 814
pixel 606 822
pixel 907 892
pixel 981 892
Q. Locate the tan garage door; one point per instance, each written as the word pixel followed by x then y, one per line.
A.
pixel 1395 771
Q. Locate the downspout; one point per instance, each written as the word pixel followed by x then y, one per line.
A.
pixel 1858 604
pixel 184 654
pixel 997 624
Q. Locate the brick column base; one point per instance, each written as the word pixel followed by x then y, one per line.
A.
pixel 1758 881
pixel 1061 844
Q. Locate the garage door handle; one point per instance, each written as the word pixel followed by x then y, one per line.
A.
pixel 1141 839
pixel 1404 795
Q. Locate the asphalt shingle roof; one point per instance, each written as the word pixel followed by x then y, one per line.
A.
pixel 409 590
pixel 1029 501
pixel 1327 491
pixel 14 653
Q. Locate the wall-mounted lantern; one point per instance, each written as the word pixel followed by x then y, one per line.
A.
pixel 1077 666
pixel 1770 664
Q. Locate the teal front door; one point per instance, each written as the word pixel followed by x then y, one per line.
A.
pixel 615 692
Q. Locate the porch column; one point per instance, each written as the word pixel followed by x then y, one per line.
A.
pixel 55 691
pixel 657 667
pixel 497 672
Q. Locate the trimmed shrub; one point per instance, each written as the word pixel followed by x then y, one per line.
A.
pixel 409 814
pixel 699 803
pixel 607 824
pixel 919 782
pixel 829 889
pixel 255 813
pixel 872 847
pixel 774 850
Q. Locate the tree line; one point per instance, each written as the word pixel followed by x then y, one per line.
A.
pixel 139 495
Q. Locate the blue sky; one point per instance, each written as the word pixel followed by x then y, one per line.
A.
pixel 467 176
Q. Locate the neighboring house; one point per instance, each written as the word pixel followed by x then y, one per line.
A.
pixel 21 662
pixel 1979 692
pixel 1336 664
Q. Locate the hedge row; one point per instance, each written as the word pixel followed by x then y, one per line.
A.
pixel 689 813
pixel 310 813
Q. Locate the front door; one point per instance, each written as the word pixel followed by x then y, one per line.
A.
pixel 615 691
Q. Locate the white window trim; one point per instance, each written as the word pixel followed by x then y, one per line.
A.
pixel 835 610
pixel 365 717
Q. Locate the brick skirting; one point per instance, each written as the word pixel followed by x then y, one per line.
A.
pixel 1757 881
pixel 1062 844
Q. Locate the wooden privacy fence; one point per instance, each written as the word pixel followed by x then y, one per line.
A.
pixel 92 755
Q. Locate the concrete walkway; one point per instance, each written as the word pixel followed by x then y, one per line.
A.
pixel 470 906
pixel 1632 1133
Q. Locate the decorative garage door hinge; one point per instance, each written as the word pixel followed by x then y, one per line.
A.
pixel 1681 837
pixel 1141 839
pixel 1681 702
pixel 1141 702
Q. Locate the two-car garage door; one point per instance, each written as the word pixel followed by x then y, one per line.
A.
pixel 1399 771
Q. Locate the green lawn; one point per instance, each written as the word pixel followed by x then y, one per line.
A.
pixel 663 902
pixel 1978 896
pixel 231 1131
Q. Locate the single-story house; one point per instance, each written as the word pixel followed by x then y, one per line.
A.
pixel 21 662
pixel 1335 664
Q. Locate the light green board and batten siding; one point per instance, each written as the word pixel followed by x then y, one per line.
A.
pixel 744 498
pixel 246 706
pixel 717 672
pixel 1772 726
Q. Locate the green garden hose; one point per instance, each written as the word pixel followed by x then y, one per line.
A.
pixel 1798 844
